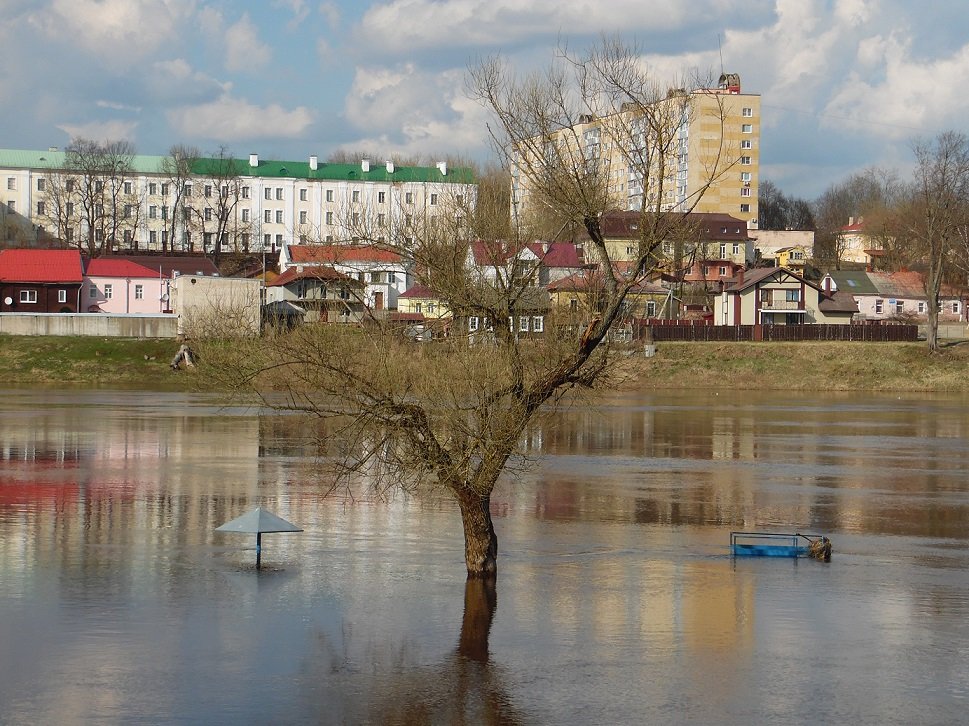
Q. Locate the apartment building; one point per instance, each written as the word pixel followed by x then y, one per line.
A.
pixel 711 153
pixel 226 204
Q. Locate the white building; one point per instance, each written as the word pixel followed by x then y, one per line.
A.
pixel 247 205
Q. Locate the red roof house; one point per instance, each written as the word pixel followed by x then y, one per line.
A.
pixel 40 281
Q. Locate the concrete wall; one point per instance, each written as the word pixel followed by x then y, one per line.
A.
pixel 217 306
pixel 89 324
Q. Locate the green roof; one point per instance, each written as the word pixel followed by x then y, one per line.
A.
pixel 20 159
pixel 854 282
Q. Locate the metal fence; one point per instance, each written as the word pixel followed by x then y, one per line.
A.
pixel 701 331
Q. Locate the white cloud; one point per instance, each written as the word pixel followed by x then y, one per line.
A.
pixel 101 130
pixel 234 119
pixel 117 106
pixel 914 95
pixel 401 25
pixel 243 49
pixel 298 8
pixel 331 13
pixel 409 111
pixel 175 82
pixel 102 27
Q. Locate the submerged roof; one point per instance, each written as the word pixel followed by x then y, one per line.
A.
pixel 258 520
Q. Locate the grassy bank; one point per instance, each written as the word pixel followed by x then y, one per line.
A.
pixel 768 366
pixel 121 362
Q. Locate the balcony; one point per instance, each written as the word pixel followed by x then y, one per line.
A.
pixel 781 305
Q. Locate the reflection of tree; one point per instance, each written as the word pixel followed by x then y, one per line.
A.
pixel 464 688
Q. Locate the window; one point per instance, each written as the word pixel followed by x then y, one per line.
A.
pixel 70 234
pixel 11 183
pixel 92 292
pixel 108 291
pixel 473 323
pixel 11 206
pixel 208 214
pixel 329 217
pixel 244 238
pixel 355 195
pixel 187 190
pixel 139 292
pixel 381 219
pixel 747 128
pixel 792 295
pixel 329 195
pixel 745 176
pixel 409 198
pixel 70 185
pixel 165 190
pixel 164 212
pixel 736 248
pixel 746 144
pixel 745 192
pixel 153 238
pixel 225 191
pixel 538 324
pixel 523 324
pixel 955 307
pixel 245 192
pixel 207 240
pixel 723 250
pixel 745 208
pixel 375 277
pixel 40 209
pixel 208 191
pixel 127 236
pixel 899 307
pixel 723 272
pixel 391 277
pixel 921 308
pixel 28 296
pixel 433 199
pixel 381 197
pixel 165 239
pixel 152 211
pixel 302 195
pixel 279 192
pixel 62 296
pixel 41 184
pixel 302 217
pixel 878 307
pixel 267 216
pixel 267 239
pixel 650 309
pixel 279 216
pixel 747 112
pixel 745 160
pixel 245 215
pixel 279 239
pixel 267 193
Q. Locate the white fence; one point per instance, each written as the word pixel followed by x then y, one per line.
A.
pixel 103 325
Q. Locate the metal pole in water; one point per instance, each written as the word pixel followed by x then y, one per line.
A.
pixel 258 549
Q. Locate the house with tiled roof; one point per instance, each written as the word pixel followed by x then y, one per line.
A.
pixel 538 263
pixel 137 284
pixel 777 296
pixel 855 243
pixel 424 301
pixel 576 298
pixel 895 295
pixel 40 281
pixel 325 294
pixel 384 273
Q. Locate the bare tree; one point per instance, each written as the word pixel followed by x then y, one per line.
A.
pixel 937 213
pixel 101 176
pixel 221 192
pixel 452 414
pixel 177 168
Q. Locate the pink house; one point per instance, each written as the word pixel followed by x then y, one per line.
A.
pixel 118 285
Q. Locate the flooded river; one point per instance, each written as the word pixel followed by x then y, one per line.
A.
pixel 617 601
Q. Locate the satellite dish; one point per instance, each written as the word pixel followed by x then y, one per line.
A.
pixel 8 301
pixel 164 297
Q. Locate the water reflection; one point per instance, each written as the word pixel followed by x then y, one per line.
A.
pixel 618 604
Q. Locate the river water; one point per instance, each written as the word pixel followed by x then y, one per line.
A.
pixel 617 601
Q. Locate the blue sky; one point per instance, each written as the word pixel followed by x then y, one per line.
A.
pixel 845 84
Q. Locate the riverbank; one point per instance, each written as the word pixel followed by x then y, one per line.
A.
pixel 121 362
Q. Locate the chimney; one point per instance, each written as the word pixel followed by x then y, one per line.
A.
pixel 314 162
pixel 442 167
pixel 253 160
pixel 740 277
pixel 365 165
pixel 827 284
pixel 390 167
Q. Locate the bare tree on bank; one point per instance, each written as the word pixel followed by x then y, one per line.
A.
pixel 453 413
pixel 937 213
pixel 177 169
pixel 214 205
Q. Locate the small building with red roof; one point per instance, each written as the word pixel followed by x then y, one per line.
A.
pixel 384 273
pixel 40 281
pixel 536 263
pixel 326 294
pixel 119 285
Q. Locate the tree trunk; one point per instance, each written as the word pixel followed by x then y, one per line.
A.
pixel 480 541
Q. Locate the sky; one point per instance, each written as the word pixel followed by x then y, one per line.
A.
pixel 845 84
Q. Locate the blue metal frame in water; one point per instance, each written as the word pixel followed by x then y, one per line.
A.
pixel 771 544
